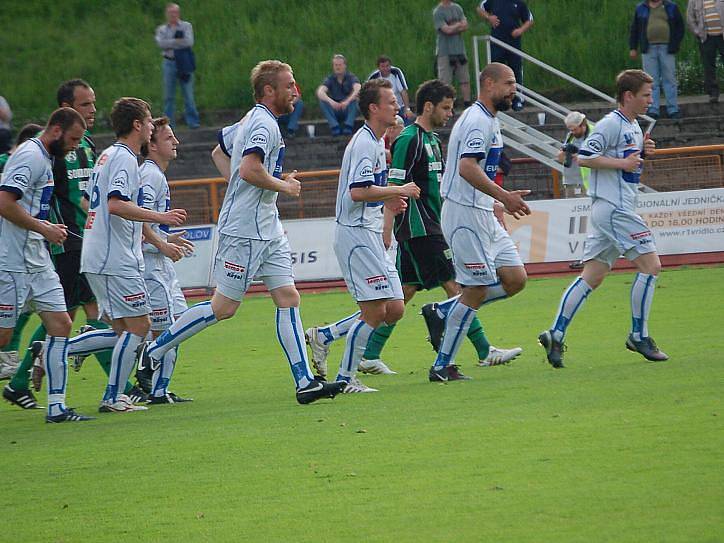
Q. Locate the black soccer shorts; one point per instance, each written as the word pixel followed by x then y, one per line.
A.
pixel 425 262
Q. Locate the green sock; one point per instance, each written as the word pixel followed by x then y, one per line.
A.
pixel 21 381
pixel 377 341
pixel 104 357
pixel 476 335
pixel 14 344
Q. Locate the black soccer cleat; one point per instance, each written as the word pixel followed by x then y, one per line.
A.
pixel 68 416
pixel 22 398
pixel 448 373
pixel 144 369
pixel 319 389
pixel 137 395
pixel 168 398
pixel 647 348
pixel 554 349
pixel 435 325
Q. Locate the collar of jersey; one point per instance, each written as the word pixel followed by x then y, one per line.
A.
pixel 42 147
pixel 371 132
pixel 154 163
pixel 618 112
pixel 267 110
pixel 485 109
pixel 126 147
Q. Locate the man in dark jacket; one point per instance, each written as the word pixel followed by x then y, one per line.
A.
pixel 657 29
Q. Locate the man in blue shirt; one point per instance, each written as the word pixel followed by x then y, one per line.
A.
pixel 508 19
pixel 338 97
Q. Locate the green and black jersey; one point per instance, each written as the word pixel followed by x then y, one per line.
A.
pixel 3 160
pixel 417 156
pixel 71 179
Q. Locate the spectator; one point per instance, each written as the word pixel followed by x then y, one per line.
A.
pixel 391 135
pixel 289 122
pixel 658 29
pixel 6 115
pixel 450 23
pixel 175 38
pixel 706 21
pixel 394 75
pixel 338 97
pixel 26 132
pixel 509 20
pixel 575 178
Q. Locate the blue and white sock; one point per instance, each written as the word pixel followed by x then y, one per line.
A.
pixel 56 368
pixel 572 299
pixel 355 346
pixel 122 362
pixel 92 342
pixel 642 294
pixel 290 333
pixel 191 322
pixel 333 332
pixel 162 375
pixel 457 324
pixel 493 293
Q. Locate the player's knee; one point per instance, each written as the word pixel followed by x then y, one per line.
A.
pixel 6 335
pixel 394 311
pixel 59 325
pixel 515 284
pixel 139 327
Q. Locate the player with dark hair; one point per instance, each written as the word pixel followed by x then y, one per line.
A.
pixel 27 278
pixel 614 153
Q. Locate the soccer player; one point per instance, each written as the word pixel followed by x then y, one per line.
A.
pixel 252 240
pixel 614 153
pixel 370 275
pixel 160 250
pixel 27 277
pixel 112 258
pixel 486 261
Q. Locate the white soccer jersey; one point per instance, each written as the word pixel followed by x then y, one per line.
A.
pixel 226 135
pixel 476 135
pixel 616 137
pixel 396 79
pixel 156 197
pixel 28 174
pixel 363 165
pixel 248 211
pixel 111 244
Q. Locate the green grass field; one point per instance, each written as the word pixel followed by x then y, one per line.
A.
pixel 111 45
pixel 612 448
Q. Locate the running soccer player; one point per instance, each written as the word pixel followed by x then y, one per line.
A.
pixel 160 250
pixel 252 240
pixel 423 257
pixel 27 278
pixel 112 258
pixel 486 261
pixel 369 273
pixel 614 153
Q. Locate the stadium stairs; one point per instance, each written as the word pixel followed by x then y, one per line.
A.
pixel 702 124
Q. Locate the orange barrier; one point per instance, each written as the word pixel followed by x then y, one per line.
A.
pixel 678 168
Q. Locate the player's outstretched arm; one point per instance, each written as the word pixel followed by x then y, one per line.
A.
pixel 12 211
pixel 131 212
pixel 512 200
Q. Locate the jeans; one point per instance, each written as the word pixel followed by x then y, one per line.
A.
pixel 708 50
pixel 169 94
pixel 291 120
pixel 335 117
pixel 661 65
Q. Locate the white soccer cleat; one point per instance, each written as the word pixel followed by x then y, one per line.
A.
pixel 356 386
pixel 320 351
pixel 123 404
pixel 9 362
pixel 375 367
pixel 497 356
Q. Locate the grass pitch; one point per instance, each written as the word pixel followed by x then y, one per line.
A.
pixel 612 448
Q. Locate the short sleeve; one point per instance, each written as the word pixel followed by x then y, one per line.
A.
pixel 120 183
pixel 473 144
pixel 402 149
pixel 16 179
pixel 225 137
pixel 524 13
pixel 328 82
pixel 600 140
pixel 362 170
pixel 259 138
pixel 149 192
pixel 438 19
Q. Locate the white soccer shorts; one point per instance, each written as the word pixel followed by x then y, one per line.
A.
pixel 26 292
pixel 119 297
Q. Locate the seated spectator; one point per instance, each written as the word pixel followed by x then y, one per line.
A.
pixel 289 122
pixel 6 115
pixel 394 75
pixel 26 132
pixel 338 97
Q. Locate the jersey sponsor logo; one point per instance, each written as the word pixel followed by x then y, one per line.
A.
pixel 45 202
pixel 71 157
pixel 396 173
pixel 79 173
pixel 5 307
pixel 475 143
pixel 595 146
pixel 159 316
pixel 476 268
pixel 21 178
pixel 378 282
pixel 258 139
pixel 135 300
pixel 366 171
pixel 234 271
pixel 641 237
pixel 90 220
pixel 435 166
pixel 103 159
